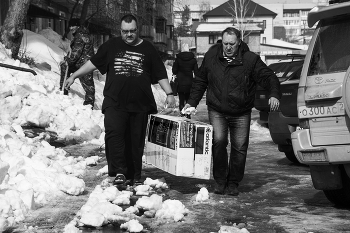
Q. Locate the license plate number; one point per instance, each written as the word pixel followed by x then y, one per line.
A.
pixel 321 111
pixel 314 156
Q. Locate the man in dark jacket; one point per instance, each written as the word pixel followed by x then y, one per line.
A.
pixel 230 73
pixel 82 49
pixel 184 66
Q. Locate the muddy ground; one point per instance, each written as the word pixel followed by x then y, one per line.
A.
pixel 276 196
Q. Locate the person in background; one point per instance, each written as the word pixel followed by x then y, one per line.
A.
pixel 82 49
pixel 229 73
pixel 132 65
pixel 184 66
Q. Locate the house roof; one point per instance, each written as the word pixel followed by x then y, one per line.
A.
pixel 219 27
pixel 284 44
pixel 225 9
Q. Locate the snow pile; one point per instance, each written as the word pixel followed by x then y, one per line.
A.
pixel 55 38
pixel 99 210
pixel 32 172
pixel 232 229
pixel 102 171
pixel 42 49
pixel 203 194
pixel 105 204
pixel 132 226
pixel 256 128
pixel 157 183
pixel 149 204
pixel 172 210
pixel 35 100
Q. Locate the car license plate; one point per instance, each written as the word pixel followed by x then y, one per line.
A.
pixel 321 111
pixel 314 156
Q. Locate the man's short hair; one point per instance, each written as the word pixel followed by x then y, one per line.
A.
pixel 128 18
pixel 232 31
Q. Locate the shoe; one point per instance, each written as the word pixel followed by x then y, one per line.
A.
pixel 219 189
pixel 232 190
pixel 119 179
pixel 138 182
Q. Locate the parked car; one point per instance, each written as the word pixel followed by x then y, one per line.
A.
pixel 284 121
pixel 284 70
pixel 323 142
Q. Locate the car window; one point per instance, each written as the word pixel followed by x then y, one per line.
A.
pixel 296 74
pixel 279 68
pixel 284 70
pixel 331 52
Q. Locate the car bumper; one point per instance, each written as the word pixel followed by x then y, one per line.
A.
pixel 318 155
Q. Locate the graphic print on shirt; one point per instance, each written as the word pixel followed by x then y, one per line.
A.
pixel 128 63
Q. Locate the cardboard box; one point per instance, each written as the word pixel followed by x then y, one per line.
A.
pixel 179 146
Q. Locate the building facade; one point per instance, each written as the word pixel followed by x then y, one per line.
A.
pixel 156 19
pixel 290 24
pixel 255 26
pixel 207 34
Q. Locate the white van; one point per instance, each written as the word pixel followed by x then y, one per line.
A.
pixel 323 142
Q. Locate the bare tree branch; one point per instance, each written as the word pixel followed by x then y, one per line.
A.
pixel 239 10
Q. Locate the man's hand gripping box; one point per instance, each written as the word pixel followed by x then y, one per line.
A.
pixel 180 146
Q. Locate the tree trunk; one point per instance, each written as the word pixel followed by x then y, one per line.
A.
pixel 84 11
pixel 11 32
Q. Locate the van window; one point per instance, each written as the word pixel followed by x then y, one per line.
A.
pixel 332 47
pixel 284 70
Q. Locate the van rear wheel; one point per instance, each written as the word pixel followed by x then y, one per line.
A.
pixel 288 151
pixel 340 197
pixel 291 157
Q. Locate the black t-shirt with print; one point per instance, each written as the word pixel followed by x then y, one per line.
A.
pixel 130 72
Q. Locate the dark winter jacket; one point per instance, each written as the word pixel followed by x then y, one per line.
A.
pixel 184 66
pixel 82 47
pixel 231 87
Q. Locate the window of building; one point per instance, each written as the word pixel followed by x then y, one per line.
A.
pixel 50 21
pixel 304 12
pixel 212 39
pixel 290 13
pixel 291 22
pixel 160 25
pixel 264 24
pixel 170 31
pixel 264 40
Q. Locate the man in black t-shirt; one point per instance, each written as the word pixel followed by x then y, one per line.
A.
pixel 132 65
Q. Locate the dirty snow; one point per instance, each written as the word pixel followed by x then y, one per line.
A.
pixel 31 170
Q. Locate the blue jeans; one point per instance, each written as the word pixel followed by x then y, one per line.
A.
pixel 231 172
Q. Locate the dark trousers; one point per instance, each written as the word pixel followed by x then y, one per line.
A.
pixel 87 82
pixel 183 98
pixel 124 142
pixel 231 172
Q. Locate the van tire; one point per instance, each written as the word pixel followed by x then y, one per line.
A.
pixel 340 197
pixel 291 156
